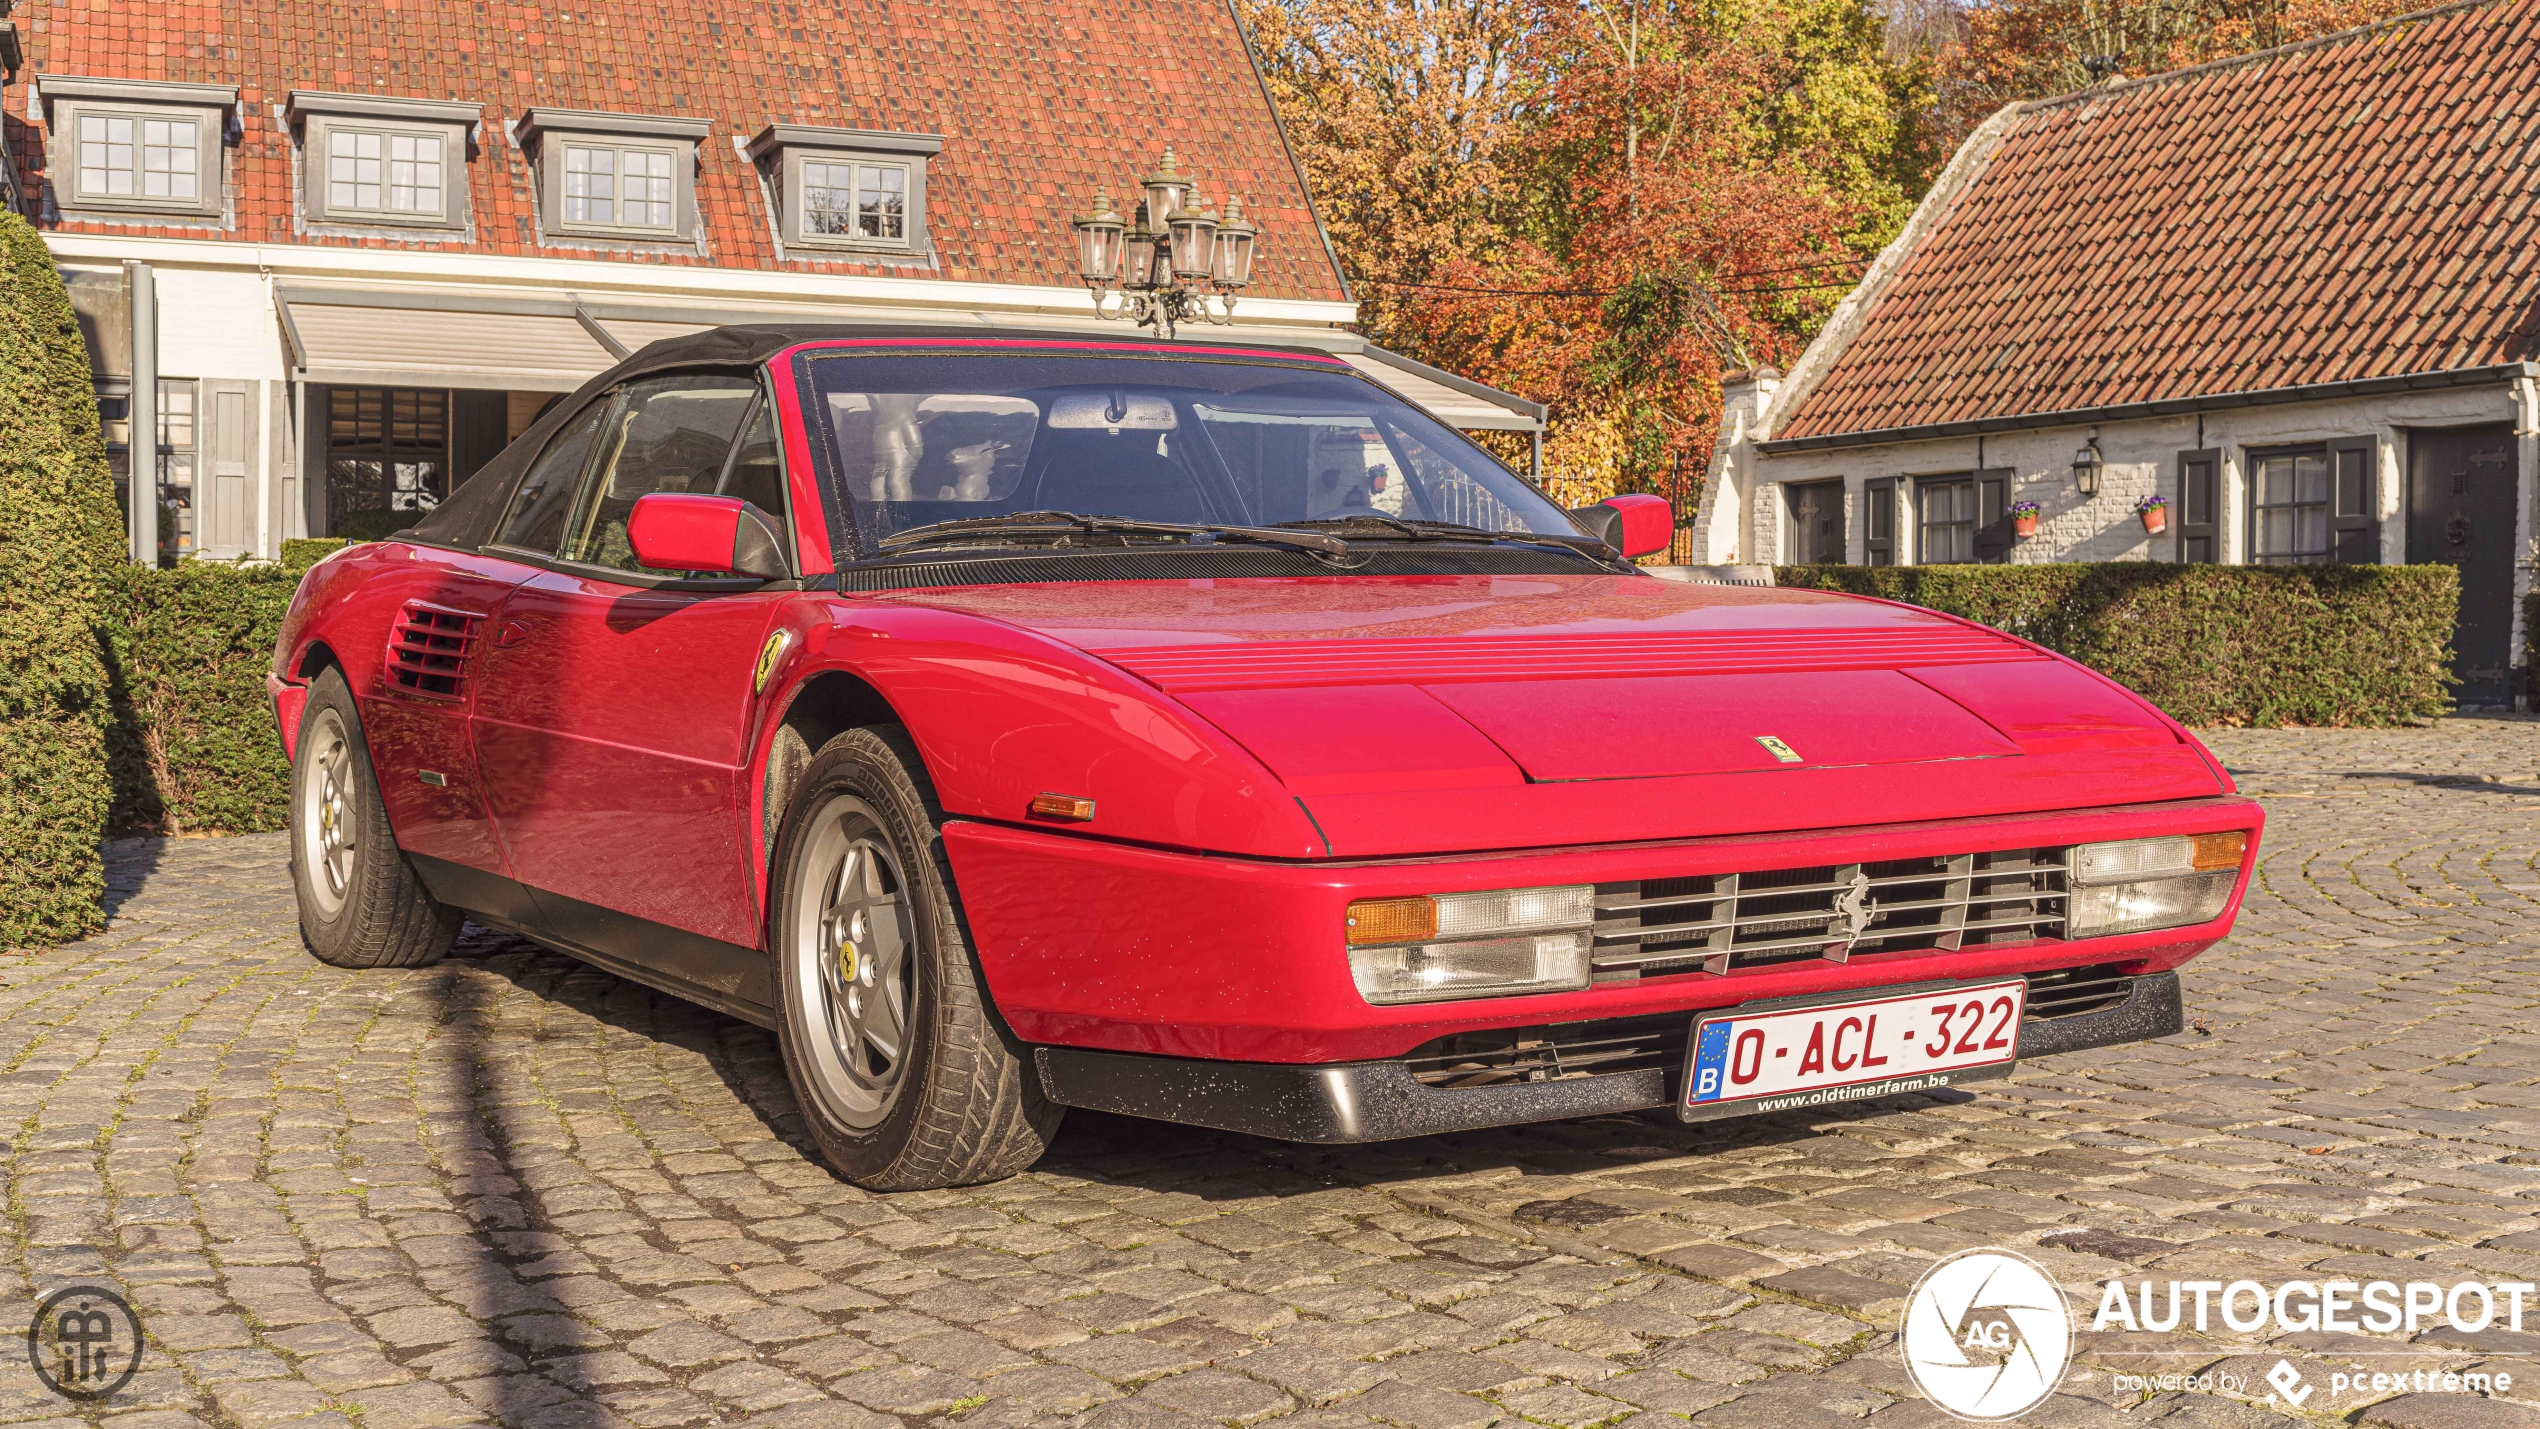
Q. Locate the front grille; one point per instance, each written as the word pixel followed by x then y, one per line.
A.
pixel 428 650
pixel 1721 923
pixel 1632 1044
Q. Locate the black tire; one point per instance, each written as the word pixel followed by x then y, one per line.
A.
pixel 955 1103
pixel 361 905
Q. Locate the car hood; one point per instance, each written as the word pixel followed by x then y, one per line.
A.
pixel 1356 688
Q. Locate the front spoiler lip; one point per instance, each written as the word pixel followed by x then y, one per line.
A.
pixel 1340 1103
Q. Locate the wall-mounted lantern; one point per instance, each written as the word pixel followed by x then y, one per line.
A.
pixel 2086 466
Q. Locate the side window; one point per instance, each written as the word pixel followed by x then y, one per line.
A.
pixel 663 434
pixel 757 475
pixel 536 519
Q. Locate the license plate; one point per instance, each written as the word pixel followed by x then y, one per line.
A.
pixel 1828 1053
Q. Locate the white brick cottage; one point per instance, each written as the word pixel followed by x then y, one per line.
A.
pixel 2288 295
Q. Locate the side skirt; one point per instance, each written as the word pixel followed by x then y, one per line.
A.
pixel 727 977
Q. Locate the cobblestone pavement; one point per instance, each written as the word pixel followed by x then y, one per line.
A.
pixel 510 1189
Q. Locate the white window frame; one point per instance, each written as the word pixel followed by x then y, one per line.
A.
pixel 784 153
pixel 324 179
pixel 619 152
pixel 70 100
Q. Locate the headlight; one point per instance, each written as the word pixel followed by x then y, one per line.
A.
pixel 2142 884
pixel 1459 945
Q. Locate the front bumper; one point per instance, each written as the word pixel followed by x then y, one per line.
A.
pixel 1341 1102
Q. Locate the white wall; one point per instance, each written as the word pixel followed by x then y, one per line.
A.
pixel 2141 456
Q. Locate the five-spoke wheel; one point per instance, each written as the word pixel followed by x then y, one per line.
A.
pixel 853 945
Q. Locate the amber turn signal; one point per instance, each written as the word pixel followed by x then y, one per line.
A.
pixel 2222 850
pixel 1392 920
pixel 1066 808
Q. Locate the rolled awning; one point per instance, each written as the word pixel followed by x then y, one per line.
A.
pixel 499 342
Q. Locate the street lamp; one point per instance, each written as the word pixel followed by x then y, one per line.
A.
pixel 1175 256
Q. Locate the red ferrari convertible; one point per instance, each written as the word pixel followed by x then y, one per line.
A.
pixel 1202 733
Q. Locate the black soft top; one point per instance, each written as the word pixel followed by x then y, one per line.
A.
pixel 466 518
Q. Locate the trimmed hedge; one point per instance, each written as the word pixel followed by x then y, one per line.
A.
pixel 302 552
pixel 194 746
pixel 375 525
pixel 2212 645
pixel 60 537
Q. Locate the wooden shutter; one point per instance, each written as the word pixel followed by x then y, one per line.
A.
pixel 1993 515
pixel 2354 502
pixel 1878 522
pixel 2198 515
pixel 225 498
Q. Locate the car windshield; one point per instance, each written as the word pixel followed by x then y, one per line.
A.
pixel 922 439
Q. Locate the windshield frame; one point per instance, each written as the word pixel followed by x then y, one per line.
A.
pixel 848 543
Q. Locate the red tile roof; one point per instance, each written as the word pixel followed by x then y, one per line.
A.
pixel 1039 102
pixel 2366 205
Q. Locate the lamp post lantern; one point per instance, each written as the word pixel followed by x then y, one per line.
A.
pixel 1167 265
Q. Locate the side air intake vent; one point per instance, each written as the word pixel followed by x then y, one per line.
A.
pixel 428 650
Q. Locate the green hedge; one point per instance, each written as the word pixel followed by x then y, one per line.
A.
pixel 302 552
pixel 2212 645
pixel 60 536
pixel 374 525
pixel 194 745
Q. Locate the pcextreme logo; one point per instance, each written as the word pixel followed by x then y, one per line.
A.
pixel 1987 1335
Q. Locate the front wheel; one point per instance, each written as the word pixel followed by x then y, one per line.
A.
pixel 361 905
pixel 906 1078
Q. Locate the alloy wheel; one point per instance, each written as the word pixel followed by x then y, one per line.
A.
pixel 853 936
pixel 329 813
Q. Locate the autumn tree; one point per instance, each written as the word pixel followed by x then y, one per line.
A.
pixel 2013 50
pixel 1601 205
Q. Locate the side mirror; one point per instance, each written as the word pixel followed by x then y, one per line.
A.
pixel 1633 525
pixel 712 535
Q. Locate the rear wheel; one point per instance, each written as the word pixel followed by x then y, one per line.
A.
pixel 361 905
pixel 905 1076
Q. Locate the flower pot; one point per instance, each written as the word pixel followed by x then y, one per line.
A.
pixel 2155 519
pixel 2025 526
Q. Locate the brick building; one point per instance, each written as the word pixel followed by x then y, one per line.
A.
pixel 381 237
pixel 2294 295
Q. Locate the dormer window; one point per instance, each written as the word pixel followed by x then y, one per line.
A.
pixel 847 188
pixel 380 161
pixel 124 147
pixel 614 176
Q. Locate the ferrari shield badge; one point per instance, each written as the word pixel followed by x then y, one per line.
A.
pixel 773 651
pixel 1773 746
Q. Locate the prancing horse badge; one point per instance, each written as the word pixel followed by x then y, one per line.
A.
pixel 1773 745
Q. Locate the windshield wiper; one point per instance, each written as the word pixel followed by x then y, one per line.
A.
pixel 1411 530
pixel 1059 525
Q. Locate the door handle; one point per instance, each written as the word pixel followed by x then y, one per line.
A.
pixel 510 633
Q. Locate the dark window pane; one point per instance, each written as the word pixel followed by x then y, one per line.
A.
pixel 536 522
pixel 664 434
pixel 2291 525
pixel 757 475
pixel 2351 485
pixel 1948 521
